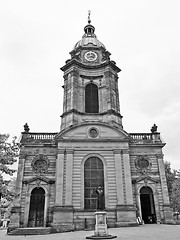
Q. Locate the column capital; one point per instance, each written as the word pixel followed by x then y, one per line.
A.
pixel 69 151
pixel 117 151
pixel 108 73
pixel 125 151
pixel 65 77
pixel 74 73
pixel 61 151
pixel 160 156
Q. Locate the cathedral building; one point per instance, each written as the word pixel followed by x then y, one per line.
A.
pixel 60 173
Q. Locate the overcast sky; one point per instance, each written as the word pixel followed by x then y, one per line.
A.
pixel 143 37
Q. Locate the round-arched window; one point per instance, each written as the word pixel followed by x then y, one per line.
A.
pixel 93 179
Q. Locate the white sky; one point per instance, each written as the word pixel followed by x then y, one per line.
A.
pixel 143 37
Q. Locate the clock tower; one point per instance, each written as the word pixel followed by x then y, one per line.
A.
pixel 90 84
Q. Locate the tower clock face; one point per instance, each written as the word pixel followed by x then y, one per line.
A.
pixel 90 56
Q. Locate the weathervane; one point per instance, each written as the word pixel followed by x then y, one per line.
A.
pixel 89 13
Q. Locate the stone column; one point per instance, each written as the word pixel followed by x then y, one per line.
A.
pixel 16 209
pixel 69 172
pixel 119 178
pixel 168 218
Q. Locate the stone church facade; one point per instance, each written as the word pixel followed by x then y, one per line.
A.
pixel 59 173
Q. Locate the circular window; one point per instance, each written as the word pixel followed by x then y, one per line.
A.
pixel 93 132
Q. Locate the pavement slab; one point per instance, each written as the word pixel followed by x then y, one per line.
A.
pixel 144 232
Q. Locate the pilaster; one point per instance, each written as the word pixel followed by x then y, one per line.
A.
pixel 168 218
pixel 63 209
pixel 16 209
pixel 59 177
pixel 19 179
pixel 163 179
pixel 74 89
pixel 126 212
pixel 119 178
pixel 69 171
pixel 108 76
pixel 127 177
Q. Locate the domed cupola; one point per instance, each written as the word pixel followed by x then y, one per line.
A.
pixel 89 38
pixel 89 52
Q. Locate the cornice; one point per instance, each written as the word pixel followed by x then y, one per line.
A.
pixel 150 144
pixel 145 177
pixel 96 114
pixel 84 66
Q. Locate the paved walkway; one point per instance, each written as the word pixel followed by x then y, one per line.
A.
pixel 145 232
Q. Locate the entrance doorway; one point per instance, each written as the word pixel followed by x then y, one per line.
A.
pixel 147 205
pixel 36 210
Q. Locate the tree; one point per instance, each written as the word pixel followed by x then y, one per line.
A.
pixel 173 184
pixel 175 196
pixel 6 203
pixel 8 156
pixel 170 177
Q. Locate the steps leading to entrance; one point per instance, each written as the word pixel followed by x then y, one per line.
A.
pixel 30 231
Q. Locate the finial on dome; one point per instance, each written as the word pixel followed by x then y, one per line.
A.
pixel 89 13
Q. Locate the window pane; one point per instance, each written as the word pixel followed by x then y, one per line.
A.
pixel 87 173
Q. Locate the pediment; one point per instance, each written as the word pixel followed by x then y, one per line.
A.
pixel 145 179
pixel 39 178
pixel 93 132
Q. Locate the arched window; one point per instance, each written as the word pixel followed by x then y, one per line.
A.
pixel 91 98
pixel 93 178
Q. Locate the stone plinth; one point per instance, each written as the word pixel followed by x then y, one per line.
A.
pixel 101 231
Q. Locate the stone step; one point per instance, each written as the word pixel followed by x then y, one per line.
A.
pixel 31 231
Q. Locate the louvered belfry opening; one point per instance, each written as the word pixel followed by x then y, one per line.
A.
pixel 91 98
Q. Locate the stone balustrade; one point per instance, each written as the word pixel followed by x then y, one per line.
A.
pixel 134 137
pixel 38 136
pixel 145 138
